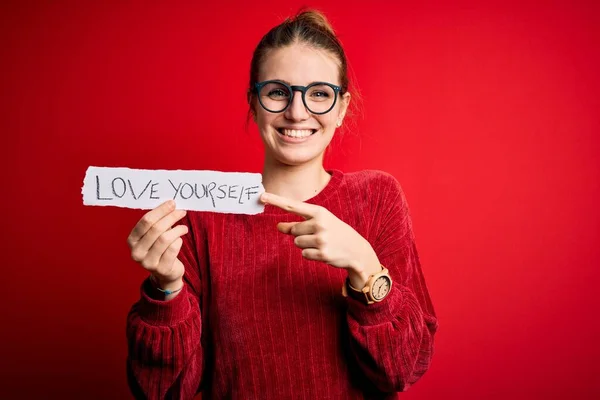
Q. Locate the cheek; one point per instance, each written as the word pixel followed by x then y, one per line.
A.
pixel 260 115
pixel 328 120
pixel 263 118
pixel 331 118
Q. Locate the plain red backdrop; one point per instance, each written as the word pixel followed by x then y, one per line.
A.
pixel 486 113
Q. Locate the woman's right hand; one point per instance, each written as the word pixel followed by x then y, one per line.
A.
pixel 155 245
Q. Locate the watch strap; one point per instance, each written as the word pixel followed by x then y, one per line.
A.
pixel 362 295
pixel 356 294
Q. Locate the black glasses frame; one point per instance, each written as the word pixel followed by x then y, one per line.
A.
pixel 292 88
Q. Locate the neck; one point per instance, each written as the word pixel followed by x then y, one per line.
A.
pixel 297 182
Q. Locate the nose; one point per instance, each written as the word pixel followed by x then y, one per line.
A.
pixel 296 110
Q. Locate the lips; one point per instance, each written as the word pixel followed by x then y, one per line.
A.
pixel 296 133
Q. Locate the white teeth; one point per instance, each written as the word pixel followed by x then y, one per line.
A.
pixel 297 133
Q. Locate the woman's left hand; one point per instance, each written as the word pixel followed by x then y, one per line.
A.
pixel 324 237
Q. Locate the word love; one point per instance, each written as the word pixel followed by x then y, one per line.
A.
pixel 228 192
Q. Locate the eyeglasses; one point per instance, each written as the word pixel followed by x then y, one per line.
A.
pixel 276 96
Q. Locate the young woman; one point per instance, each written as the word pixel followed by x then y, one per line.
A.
pixel 321 296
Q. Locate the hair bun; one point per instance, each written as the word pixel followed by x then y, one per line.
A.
pixel 314 19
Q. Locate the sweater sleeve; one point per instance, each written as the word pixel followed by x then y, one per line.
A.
pixel 165 356
pixel 392 340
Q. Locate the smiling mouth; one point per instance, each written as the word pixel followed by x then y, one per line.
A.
pixel 296 133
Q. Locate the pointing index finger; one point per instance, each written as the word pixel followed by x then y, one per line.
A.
pixel 294 206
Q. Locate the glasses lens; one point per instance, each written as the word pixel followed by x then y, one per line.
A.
pixel 274 96
pixel 319 98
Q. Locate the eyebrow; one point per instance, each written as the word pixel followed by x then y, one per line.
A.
pixel 284 81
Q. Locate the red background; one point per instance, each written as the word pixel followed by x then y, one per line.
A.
pixel 486 113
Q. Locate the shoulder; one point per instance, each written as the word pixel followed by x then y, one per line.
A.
pixel 375 192
pixel 376 181
pixel 377 197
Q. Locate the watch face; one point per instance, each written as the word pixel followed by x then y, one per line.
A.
pixel 381 287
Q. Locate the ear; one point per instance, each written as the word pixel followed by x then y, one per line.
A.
pixel 345 102
pixel 250 97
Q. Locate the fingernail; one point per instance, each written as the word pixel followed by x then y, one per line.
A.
pixel 264 197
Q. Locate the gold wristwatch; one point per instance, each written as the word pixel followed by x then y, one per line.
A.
pixel 376 289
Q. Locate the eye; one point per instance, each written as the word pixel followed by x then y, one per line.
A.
pixel 277 93
pixel 320 94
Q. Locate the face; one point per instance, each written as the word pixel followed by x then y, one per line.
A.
pixel 296 136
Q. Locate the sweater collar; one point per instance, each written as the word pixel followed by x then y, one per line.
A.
pixel 337 177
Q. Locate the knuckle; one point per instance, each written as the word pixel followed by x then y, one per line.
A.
pixel 145 223
pixel 163 239
pixel 176 245
pixel 147 265
pixel 169 253
pixel 155 230
pixel 136 256
pixel 322 253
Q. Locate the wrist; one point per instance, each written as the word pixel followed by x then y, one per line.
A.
pixel 167 286
pixel 359 272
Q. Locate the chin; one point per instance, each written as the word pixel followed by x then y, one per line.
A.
pixel 297 157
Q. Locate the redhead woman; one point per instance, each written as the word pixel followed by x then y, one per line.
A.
pixel 322 296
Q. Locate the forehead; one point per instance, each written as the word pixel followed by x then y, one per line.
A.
pixel 300 65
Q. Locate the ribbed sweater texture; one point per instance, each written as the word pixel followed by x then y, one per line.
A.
pixel 255 320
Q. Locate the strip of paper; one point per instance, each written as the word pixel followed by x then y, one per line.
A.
pixel 224 192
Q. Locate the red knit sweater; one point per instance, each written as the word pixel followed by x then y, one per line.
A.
pixel 256 320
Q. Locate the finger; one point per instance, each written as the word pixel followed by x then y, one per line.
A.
pixel 149 219
pixel 169 256
pixel 286 227
pixel 308 227
pixel 298 228
pixel 162 243
pixel 139 250
pixel 294 206
pixel 308 241
pixel 313 254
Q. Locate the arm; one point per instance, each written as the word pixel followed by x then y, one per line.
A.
pixel 165 356
pixel 392 341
